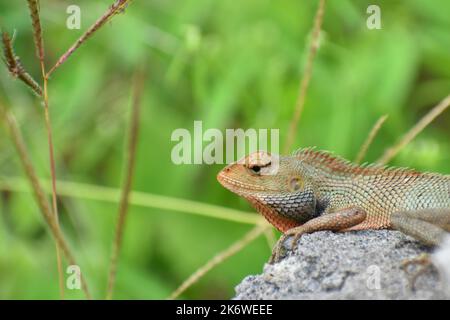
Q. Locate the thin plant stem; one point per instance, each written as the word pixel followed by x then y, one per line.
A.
pixel 390 153
pixel 127 184
pixel 304 84
pixel 33 6
pixel 373 133
pixel 117 7
pixel 270 237
pixel 53 179
pixel 221 257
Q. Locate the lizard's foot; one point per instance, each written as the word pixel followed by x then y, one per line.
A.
pixel 336 221
pixel 279 250
pixel 423 260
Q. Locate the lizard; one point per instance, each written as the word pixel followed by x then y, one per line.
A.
pixel 315 190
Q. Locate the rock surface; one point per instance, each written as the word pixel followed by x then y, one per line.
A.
pixel 352 265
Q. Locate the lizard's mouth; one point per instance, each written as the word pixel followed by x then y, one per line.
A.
pixel 237 186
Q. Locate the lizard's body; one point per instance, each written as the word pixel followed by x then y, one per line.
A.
pixel 314 190
pixel 377 190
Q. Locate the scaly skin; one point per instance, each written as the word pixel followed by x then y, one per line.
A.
pixel 314 190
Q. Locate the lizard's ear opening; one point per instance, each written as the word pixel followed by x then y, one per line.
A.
pixel 296 184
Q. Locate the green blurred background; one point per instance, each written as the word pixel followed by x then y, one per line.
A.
pixel 230 64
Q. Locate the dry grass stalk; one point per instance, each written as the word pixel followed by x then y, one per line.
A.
pixel 221 257
pixel 270 237
pixel 15 67
pixel 147 200
pixel 38 190
pixel 365 147
pixel 118 7
pixel 54 190
pixel 127 184
pixel 414 131
pixel 304 84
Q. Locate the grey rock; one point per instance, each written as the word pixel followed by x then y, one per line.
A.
pixel 351 265
pixel 441 259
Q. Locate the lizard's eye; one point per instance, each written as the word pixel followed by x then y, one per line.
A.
pixel 258 163
pixel 295 184
pixel 256 169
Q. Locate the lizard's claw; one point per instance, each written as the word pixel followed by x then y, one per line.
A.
pixel 423 260
pixel 296 233
pixel 279 250
pixel 294 243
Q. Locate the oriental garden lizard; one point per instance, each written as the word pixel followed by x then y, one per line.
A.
pixel 315 190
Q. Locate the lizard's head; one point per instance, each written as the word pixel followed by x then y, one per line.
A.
pixel 275 185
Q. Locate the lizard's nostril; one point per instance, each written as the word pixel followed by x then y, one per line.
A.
pixel 223 172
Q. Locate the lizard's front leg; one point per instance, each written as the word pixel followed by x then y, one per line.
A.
pixel 335 221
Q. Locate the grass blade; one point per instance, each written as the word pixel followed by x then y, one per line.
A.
pixel 373 133
pixel 221 257
pixel 414 131
pixel 126 188
pixel 142 199
pixel 304 84
pixel 39 193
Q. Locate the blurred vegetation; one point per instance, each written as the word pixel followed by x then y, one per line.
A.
pixel 231 65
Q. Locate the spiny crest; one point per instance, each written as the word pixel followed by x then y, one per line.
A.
pixel 336 164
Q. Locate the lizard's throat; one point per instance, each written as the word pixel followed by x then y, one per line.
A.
pixel 271 215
